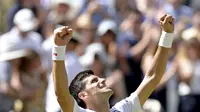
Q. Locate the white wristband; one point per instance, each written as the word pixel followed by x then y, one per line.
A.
pixel 58 52
pixel 166 39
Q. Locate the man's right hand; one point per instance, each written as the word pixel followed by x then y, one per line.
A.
pixel 167 23
pixel 62 35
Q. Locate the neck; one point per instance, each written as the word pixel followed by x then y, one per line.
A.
pixel 100 107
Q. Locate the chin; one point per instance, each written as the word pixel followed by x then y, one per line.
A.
pixel 108 92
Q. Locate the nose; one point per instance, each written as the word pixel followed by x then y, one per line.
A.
pixel 102 80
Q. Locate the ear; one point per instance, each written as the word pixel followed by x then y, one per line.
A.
pixel 82 95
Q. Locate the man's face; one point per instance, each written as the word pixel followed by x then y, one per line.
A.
pixel 96 87
pixel 108 37
pixel 62 8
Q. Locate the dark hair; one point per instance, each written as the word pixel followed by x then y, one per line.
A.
pixel 77 86
pixel 26 61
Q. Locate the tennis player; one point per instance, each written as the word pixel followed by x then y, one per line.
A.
pixel 89 93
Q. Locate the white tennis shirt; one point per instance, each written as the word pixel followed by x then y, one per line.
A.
pixel 129 104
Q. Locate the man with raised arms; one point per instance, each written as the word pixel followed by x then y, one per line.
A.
pixel 89 93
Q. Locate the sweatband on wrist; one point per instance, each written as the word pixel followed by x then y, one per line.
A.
pixel 166 40
pixel 58 52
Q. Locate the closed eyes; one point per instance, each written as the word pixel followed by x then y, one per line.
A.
pixel 94 80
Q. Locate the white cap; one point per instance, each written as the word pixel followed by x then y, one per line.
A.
pixel 6 56
pixel 12 52
pixel 106 25
pixel 25 20
pixel 189 33
pixel 87 59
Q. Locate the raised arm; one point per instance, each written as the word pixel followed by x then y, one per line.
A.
pixel 61 38
pixel 158 65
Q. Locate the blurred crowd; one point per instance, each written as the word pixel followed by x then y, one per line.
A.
pixel 117 39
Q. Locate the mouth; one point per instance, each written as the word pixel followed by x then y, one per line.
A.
pixel 106 88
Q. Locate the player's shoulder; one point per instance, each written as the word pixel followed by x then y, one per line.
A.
pixel 129 104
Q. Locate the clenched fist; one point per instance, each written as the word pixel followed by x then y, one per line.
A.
pixel 62 35
pixel 167 23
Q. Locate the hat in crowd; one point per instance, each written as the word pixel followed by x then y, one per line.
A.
pixel 25 20
pixel 106 25
pixel 6 56
pixel 88 57
pixel 12 52
pixel 190 33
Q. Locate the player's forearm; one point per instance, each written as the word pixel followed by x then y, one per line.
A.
pixel 167 76
pixel 60 78
pixel 61 86
pixel 158 65
pixel 153 75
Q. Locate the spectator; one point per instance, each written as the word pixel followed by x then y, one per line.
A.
pixel 130 57
pixel 35 6
pixel 33 81
pixel 22 35
pixel 194 30
pixel 122 8
pixel 12 87
pixel 16 7
pixel 7 92
pixel 189 78
pixel 87 30
pixel 95 10
pixel 60 12
pixel 106 36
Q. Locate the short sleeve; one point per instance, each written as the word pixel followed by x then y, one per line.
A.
pixel 129 104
